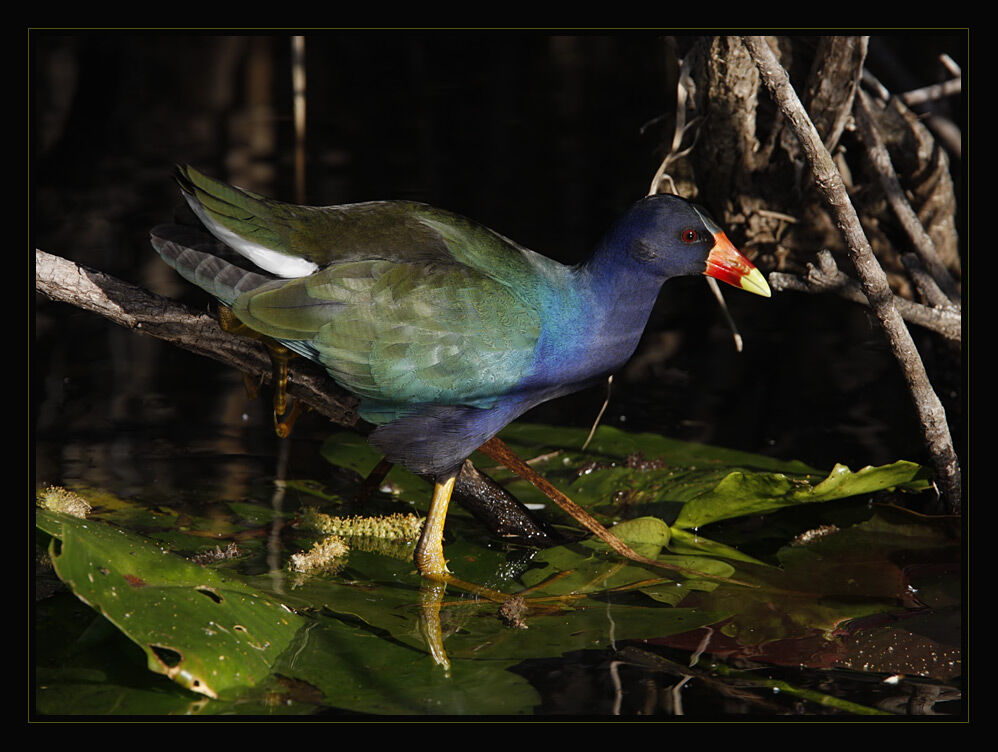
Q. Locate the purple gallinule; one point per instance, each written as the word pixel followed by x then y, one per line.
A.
pixel 445 330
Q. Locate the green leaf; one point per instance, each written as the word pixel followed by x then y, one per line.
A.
pixel 689 484
pixel 644 531
pixel 350 450
pixel 740 493
pixel 209 633
pixel 355 640
pixel 359 668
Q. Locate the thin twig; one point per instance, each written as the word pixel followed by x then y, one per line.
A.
pixel 683 88
pixel 719 296
pixel 599 415
pixel 944 129
pixel 872 277
pixel 933 92
pixel 950 65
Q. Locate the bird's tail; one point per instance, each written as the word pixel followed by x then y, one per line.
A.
pixel 224 206
pixel 250 224
pixel 188 251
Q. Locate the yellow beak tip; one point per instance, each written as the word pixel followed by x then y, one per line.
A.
pixel 755 282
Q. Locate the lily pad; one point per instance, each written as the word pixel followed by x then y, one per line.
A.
pixel 209 633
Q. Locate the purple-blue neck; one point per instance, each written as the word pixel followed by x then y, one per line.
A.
pixel 623 294
pixel 595 314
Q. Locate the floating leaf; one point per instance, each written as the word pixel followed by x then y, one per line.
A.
pixel 644 531
pixel 689 484
pixel 208 633
pixel 741 493
pixel 362 647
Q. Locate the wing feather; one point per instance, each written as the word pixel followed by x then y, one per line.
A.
pixel 404 335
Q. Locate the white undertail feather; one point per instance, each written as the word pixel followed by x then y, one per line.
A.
pixel 267 259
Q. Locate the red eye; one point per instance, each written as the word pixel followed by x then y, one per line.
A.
pixel 690 235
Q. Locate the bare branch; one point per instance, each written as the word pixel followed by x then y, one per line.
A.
pixel 134 308
pixel 944 129
pixel 872 278
pixel 838 66
pixel 826 277
pixel 881 161
pixel 926 285
pixel 932 92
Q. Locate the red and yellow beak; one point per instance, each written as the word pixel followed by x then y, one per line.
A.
pixel 726 263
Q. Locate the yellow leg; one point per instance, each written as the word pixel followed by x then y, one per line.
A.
pixel 280 356
pixel 432 566
pixel 430 550
pixel 431 596
pixel 228 321
pixel 284 419
pixel 284 423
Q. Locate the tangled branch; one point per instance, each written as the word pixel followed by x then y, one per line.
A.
pixel 872 279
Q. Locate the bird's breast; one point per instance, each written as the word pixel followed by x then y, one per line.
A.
pixel 581 344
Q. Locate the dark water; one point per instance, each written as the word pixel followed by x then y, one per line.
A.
pixel 544 138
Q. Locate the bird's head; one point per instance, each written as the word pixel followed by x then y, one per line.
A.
pixel 668 236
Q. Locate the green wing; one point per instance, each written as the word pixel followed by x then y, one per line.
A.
pixel 403 231
pixel 399 334
pixel 403 303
